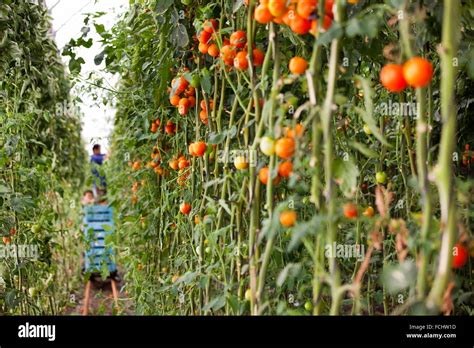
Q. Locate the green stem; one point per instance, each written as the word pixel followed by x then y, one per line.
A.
pixel 444 173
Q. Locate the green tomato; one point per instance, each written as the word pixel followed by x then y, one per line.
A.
pixel 308 306
pixel 207 250
pixel 195 81
pixel 267 146
pixel 33 291
pixel 186 2
pixel 248 294
pixel 367 129
pixel 381 177
pixel 36 228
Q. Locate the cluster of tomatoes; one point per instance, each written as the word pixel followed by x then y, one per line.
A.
pixel 300 15
pixel 204 114
pixel 7 239
pixel 416 72
pixel 182 95
pixel 234 50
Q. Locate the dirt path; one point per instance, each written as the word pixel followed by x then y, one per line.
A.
pixel 101 300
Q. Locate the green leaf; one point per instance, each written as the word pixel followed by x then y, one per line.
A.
pixel 206 81
pixel 216 138
pixel 398 277
pixel 369 153
pixel 368 112
pixel 99 28
pixel 179 36
pixel 346 173
pixel 291 270
pixel 334 32
pixel 162 6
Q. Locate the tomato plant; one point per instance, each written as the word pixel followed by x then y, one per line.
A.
pixel 253 137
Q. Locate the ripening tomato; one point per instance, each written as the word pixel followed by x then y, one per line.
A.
pixel 136 165
pixel 391 77
pixel 306 8
pixel 213 50
pixel 298 65
pixel 204 37
pixel 262 14
pixel 199 148
pixel 240 163
pixel 210 26
pixel 350 210
pixel 170 128
pixel 258 57
pixel 238 39
pixel 240 61
pixel 369 212
pixel 288 218
pixel 418 72
pixel 203 48
pixel 297 131
pixel 174 100
pixel 460 256
pixel 228 52
pixel 299 25
pixel 267 146
pixel 185 208
pixel 174 164
pixel 264 174
pixel 285 147
pixel 285 169
pixel 277 7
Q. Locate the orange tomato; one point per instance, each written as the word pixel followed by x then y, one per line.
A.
pixel 298 65
pixel 350 210
pixel 262 14
pixel 203 48
pixel 391 77
pixel 305 8
pixel 174 100
pixel 210 26
pixel 285 169
pixel 258 57
pixel 213 50
pixel 288 218
pixel 418 72
pixel 277 7
pixel 204 37
pixel 238 39
pixel 136 165
pixel 185 208
pixel 264 174
pixel 285 147
pixel 240 61
pixel 199 148
pixel 299 25
pixel 174 164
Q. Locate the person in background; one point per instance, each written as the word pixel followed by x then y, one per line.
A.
pixel 97 158
pixel 87 197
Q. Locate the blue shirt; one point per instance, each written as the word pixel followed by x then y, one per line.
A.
pixel 99 159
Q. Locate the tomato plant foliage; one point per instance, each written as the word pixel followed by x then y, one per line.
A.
pixel 332 119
